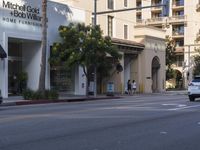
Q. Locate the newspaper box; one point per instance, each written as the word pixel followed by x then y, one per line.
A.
pixel 110 89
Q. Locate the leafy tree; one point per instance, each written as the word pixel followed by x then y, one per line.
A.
pixel 196 58
pixel 196 69
pixel 170 57
pixel 86 47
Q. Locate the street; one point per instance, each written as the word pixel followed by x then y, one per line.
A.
pixel 139 122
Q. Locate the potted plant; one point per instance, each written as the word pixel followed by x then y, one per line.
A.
pixel 22 78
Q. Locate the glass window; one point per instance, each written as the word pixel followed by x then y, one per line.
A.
pixel 110 26
pixel 125 3
pixel 125 31
pixel 110 4
pixel 179 60
pixel 138 3
pixel 92 20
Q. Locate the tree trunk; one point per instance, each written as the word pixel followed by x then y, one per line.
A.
pixel 43 46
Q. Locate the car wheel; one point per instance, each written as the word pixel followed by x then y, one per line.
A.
pixel 191 98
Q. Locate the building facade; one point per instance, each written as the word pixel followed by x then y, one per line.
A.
pixel 181 25
pixel 20 38
pixel 142 47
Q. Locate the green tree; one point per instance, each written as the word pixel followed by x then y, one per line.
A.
pixel 196 69
pixel 86 47
pixel 170 57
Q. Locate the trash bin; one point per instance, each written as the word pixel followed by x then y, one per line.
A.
pixel 110 89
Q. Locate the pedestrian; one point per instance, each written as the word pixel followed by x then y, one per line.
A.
pixel 129 86
pixel 133 86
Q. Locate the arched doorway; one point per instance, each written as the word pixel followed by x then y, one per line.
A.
pixel 154 73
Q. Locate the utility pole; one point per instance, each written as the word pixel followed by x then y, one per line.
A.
pixel 95 67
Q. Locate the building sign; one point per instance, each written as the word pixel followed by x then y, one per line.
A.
pixel 21 14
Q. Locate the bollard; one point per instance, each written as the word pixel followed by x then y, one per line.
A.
pixel 1 98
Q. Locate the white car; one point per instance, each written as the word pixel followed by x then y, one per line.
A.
pixel 194 88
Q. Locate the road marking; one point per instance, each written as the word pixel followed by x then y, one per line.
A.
pixel 177 105
pixel 163 132
pixel 185 107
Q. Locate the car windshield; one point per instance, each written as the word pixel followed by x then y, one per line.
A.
pixel 196 80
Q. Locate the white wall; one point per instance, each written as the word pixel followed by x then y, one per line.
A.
pixel 31 56
pixel 80 82
pixel 16 27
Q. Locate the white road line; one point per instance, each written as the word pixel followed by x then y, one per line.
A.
pixel 177 105
pixel 185 107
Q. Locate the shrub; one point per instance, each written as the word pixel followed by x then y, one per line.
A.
pixel 51 94
pixel 39 95
pixel 28 94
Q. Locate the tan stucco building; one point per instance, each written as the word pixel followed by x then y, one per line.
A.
pixel 143 47
pixel 182 25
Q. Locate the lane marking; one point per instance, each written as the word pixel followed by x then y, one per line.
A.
pixel 177 105
pixel 163 132
pixel 181 108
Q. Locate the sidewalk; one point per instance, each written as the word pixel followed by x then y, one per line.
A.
pixel 18 100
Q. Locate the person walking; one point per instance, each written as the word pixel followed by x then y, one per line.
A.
pixel 133 86
pixel 129 87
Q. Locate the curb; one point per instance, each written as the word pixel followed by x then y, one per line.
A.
pixel 32 102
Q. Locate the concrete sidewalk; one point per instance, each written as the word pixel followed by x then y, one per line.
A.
pixel 18 100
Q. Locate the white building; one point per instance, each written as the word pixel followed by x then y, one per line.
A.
pixel 20 37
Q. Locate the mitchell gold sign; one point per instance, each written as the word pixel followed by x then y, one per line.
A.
pixel 22 14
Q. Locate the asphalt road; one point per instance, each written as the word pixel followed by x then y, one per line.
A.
pixel 141 122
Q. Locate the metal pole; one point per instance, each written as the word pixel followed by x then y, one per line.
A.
pixel 189 63
pixel 95 12
pixel 95 68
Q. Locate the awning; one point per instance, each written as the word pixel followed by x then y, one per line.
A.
pixel 128 46
pixel 2 52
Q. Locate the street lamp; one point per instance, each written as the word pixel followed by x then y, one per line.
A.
pixel 95 67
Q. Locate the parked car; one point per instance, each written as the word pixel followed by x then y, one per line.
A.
pixel 194 88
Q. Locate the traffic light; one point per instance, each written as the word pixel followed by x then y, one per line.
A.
pixel 165 11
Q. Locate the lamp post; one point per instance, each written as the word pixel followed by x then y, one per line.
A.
pixel 95 67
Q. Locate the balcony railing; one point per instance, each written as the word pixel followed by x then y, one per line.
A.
pixel 175 19
pixel 178 33
pixel 156 20
pixel 156 8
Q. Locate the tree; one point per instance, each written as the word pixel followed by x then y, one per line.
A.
pixel 170 57
pixel 84 46
pixel 43 47
pixel 196 69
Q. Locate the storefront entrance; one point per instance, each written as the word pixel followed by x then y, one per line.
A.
pixel 23 66
pixel 14 66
